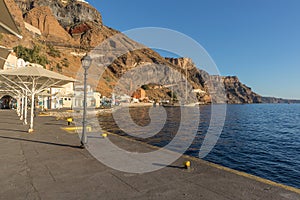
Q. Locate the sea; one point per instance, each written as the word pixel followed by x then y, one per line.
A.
pixel 259 139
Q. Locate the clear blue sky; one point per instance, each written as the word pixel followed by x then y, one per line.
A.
pixel 257 40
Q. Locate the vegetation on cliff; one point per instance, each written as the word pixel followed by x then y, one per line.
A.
pixel 31 55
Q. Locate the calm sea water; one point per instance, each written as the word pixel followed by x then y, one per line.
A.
pixel 260 139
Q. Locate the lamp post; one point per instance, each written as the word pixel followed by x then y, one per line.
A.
pixel 86 63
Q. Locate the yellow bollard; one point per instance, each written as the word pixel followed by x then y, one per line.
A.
pixel 69 120
pixel 187 164
pixel 104 135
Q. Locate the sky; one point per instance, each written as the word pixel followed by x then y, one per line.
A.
pixel 256 40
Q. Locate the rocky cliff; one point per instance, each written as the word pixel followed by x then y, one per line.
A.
pixel 71 28
pixel 236 92
pixel 43 19
pixel 67 13
pixel 278 100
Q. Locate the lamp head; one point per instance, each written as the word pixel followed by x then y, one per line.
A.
pixel 86 62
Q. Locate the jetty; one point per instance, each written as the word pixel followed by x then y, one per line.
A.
pixel 49 164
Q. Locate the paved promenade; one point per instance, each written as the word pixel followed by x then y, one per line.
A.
pixel 49 165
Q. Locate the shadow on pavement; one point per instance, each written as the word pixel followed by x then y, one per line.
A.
pixel 170 166
pixel 42 142
pixel 13 130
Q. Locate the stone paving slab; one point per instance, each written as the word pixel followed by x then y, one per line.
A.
pixel 49 164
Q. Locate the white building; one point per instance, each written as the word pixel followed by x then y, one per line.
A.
pixel 57 98
pixel 93 98
pixel 62 97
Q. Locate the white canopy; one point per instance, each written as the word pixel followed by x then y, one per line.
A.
pixel 7 92
pixel 32 80
pixel 7 23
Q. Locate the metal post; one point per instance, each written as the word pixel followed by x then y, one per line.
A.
pixel 84 138
pixel 86 62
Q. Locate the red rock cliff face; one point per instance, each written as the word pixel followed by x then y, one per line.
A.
pixel 73 22
pixel 67 14
pixel 43 19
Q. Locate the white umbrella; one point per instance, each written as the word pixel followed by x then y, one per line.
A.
pixel 33 80
pixel 7 23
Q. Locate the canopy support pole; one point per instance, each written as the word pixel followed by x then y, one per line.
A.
pixel 32 107
pixel 32 113
pixel 25 108
pixel 18 106
pixel 22 108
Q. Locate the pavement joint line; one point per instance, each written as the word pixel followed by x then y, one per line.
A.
pixel 27 171
pixel 214 191
pixel 50 173
pixel 129 185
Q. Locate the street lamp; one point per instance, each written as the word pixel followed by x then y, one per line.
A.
pixel 86 63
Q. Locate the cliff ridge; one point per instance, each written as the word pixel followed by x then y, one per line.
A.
pixel 70 28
